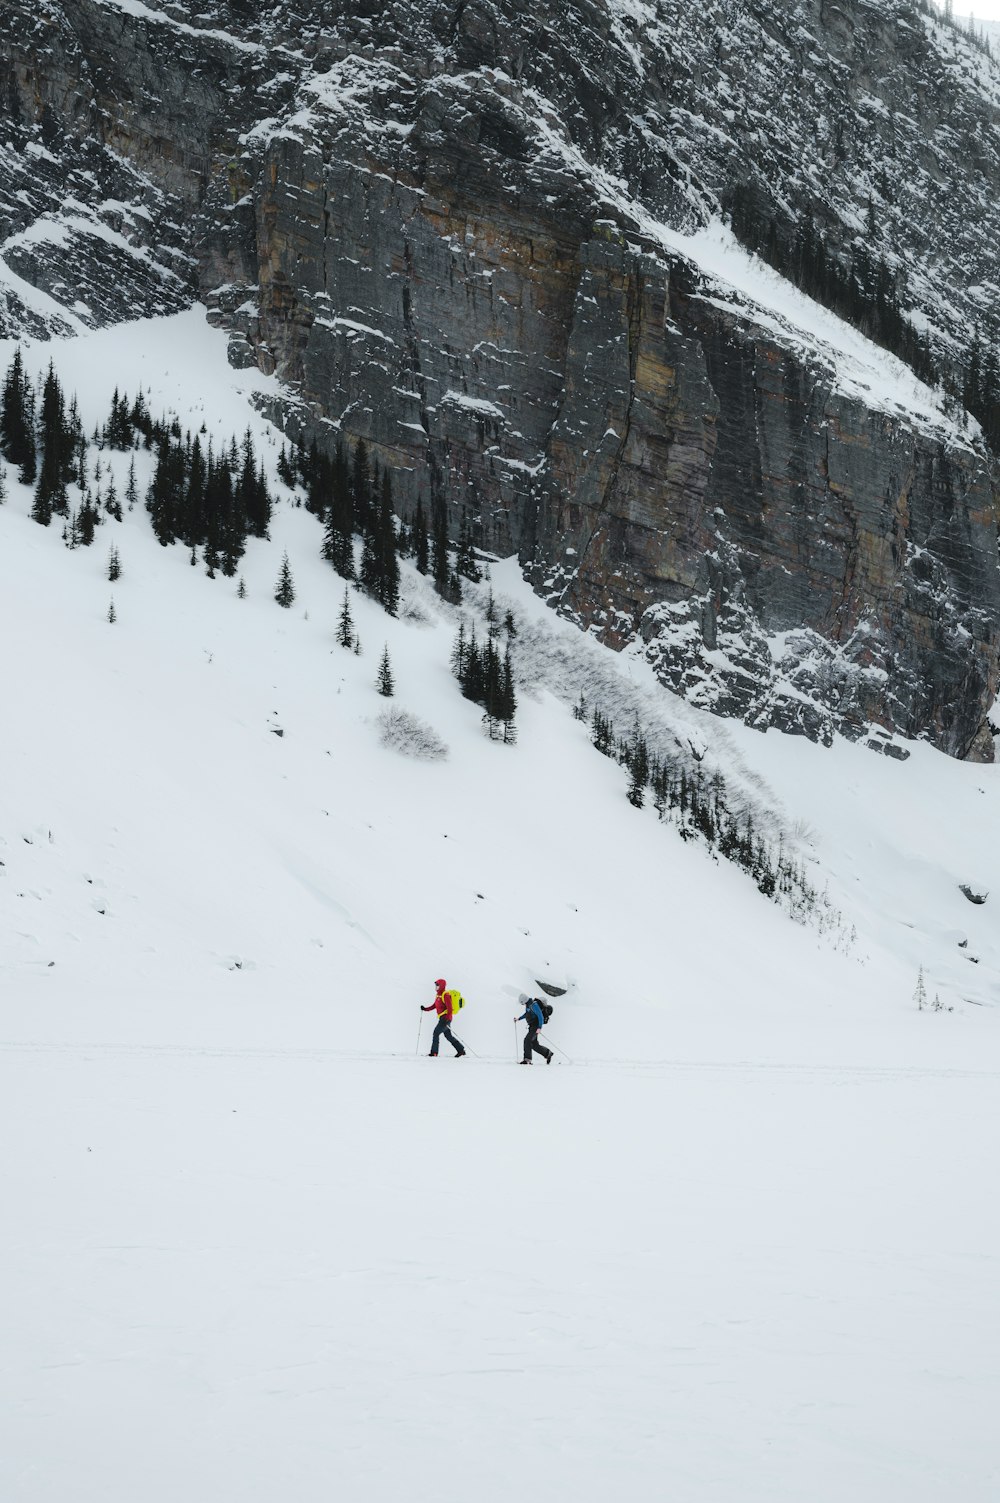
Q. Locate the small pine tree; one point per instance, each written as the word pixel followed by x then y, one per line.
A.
pixel 3 484
pixel 638 764
pixel 131 489
pixel 920 992
pixel 284 590
pixel 114 564
pixel 345 623
pixel 385 683
pixel 241 589
pixel 112 615
pixel 112 505
pixel 458 652
pixel 286 471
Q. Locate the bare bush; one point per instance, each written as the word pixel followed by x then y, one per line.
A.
pixel 407 733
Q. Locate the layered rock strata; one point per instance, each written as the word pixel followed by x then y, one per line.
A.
pixel 447 230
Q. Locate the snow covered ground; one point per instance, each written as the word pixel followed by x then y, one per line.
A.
pixel 256 1245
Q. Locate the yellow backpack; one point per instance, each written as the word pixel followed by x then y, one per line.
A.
pixel 457 1000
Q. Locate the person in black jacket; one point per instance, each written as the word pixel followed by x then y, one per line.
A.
pixel 535 1019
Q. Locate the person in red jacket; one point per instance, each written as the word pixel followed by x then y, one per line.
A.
pixel 442 1006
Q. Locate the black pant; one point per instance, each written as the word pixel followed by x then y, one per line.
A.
pixel 531 1042
pixel 443 1029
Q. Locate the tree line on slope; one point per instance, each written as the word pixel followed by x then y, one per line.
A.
pixel 487 678
pixel 864 291
pixel 353 498
pixel 698 804
pixel 216 500
pixel 202 498
pixel 967 25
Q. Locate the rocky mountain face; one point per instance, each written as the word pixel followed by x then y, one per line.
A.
pixel 487 238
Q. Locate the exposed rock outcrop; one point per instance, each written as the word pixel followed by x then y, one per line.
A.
pixel 457 231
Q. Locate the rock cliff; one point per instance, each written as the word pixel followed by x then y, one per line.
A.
pixel 487 239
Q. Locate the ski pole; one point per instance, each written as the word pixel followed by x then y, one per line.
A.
pixel 561 1051
pixel 420 1029
pixel 515 1040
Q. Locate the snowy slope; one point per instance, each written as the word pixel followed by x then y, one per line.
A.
pixel 259 1248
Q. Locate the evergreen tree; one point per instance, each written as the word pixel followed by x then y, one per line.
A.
pixel 87 520
pixel 338 541
pixel 112 614
pixel 241 589
pixel 602 732
pixel 58 448
pixel 466 561
pixel 508 700
pixel 167 490
pixel 114 564
pixel 286 471
pixel 384 682
pixel 17 426
pixel 370 577
pixel 131 489
pixel 458 652
pixel 41 506
pixel 638 765
pixel 318 483
pixel 421 547
pixel 284 590
pixel 388 556
pixel 442 561
pixel 492 688
pixel 118 430
pixel 361 487
pixel 112 505
pixel 345 622
pixel 192 509
pixel 251 498
pixel 473 678
pixel 3 484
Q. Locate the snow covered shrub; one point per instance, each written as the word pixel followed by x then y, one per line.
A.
pixel 413 612
pixel 408 734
